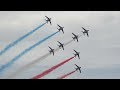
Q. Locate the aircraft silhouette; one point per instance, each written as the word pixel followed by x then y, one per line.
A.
pixel 48 20
pixel 75 37
pixel 85 31
pixel 51 50
pixel 60 28
pixel 78 68
pixel 61 45
pixel 77 54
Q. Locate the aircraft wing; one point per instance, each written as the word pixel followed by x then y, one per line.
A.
pixel 50 23
pixel 63 31
pixel 87 34
pixel 59 25
pixel 73 34
pixel 58 42
pixel 77 66
pixel 83 28
pixel 63 47
pixel 50 47
pixel 46 17
pixel 78 56
pixel 53 53
pixel 77 39
pixel 79 70
pixel 76 51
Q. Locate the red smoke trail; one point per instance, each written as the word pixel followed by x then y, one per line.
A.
pixel 52 68
pixel 66 75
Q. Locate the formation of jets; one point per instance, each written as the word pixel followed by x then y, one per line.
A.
pixel 61 45
pixel 61 29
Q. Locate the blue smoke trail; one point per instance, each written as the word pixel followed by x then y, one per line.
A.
pixel 20 39
pixel 25 51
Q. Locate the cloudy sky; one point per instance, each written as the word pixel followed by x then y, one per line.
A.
pixel 100 53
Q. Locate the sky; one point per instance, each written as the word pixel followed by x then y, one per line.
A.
pixel 100 52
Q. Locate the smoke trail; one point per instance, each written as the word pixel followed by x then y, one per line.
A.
pixel 28 66
pixel 31 63
pixel 68 42
pixel 66 75
pixel 25 51
pixel 37 61
pixel 20 39
pixel 52 68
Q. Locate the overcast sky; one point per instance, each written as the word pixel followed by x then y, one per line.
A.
pixel 100 52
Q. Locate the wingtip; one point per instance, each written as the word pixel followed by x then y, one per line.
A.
pixel 74 49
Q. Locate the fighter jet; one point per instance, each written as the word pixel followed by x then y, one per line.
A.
pixel 51 50
pixel 77 54
pixel 61 45
pixel 78 68
pixel 75 37
pixel 85 31
pixel 60 28
pixel 48 20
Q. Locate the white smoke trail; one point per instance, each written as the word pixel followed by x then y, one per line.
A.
pixel 37 60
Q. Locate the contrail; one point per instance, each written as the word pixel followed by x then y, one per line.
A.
pixel 24 52
pixel 20 39
pixel 62 77
pixel 31 63
pixel 51 69
pixel 37 61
